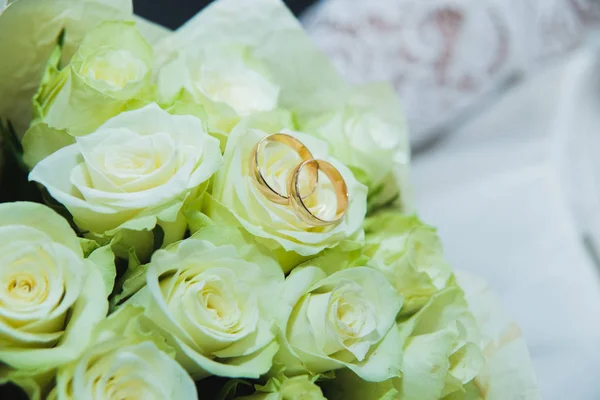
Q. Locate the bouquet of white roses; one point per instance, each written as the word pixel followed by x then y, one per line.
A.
pixel 226 218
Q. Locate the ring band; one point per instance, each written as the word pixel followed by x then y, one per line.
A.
pixel 341 193
pixel 295 145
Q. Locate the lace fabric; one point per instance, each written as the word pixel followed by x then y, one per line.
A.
pixel 444 57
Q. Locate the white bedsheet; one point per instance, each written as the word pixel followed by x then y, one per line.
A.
pixel 502 198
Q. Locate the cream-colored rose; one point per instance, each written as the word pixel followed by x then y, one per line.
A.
pixel 29 30
pixel 409 253
pixel 370 136
pixel 344 320
pixel 212 297
pixel 109 74
pixel 110 71
pixel 364 141
pixel 50 296
pixel 124 362
pixel 135 170
pixel 221 75
pixel 224 80
pixel 274 225
pixel 113 70
pixel 441 357
pixel 300 387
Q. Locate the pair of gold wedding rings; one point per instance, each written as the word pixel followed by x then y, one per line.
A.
pixel 294 198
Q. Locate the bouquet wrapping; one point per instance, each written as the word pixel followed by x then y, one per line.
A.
pixel 225 218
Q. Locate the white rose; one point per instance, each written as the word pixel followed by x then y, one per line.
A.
pixel 362 140
pixel 370 135
pixel 124 362
pixel 409 253
pixel 442 358
pixel 225 81
pixel 135 169
pixel 29 30
pixel 241 88
pixel 212 297
pixel 347 319
pixel 274 225
pixel 50 296
pixel 113 70
pixel 110 72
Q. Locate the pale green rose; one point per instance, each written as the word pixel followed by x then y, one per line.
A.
pixel 443 350
pixel 344 320
pixel 51 297
pixel 237 199
pixel 29 29
pixel 227 82
pixel 274 44
pixel 369 135
pixel 300 387
pixel 133 173
pixel 508 371
pixel 110 72
pixel 212 297
pixel 126 360
pixel 441 356
pixel 409 253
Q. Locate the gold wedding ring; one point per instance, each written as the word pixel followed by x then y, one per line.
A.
pixel 294 198
pixel 295 145
pixel 339 185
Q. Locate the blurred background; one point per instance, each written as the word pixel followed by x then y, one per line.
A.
pixel 502 98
